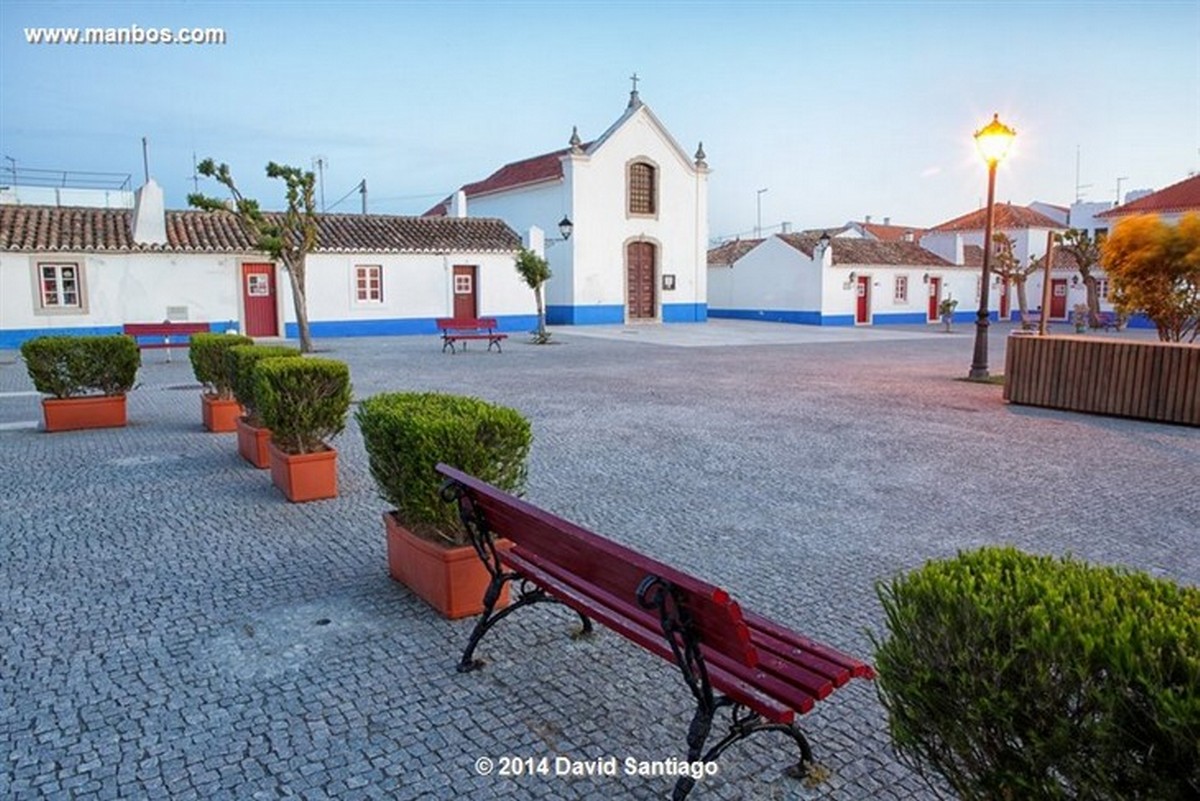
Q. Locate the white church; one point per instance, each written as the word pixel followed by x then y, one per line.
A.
pixel 631 212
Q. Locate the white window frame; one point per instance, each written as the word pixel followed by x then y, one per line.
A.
pixel 900 290
pixel 1102 288
pixel 38 268
pixel 364 293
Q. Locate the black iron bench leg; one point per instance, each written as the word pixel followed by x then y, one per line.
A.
pixel 495 342
pixel 740 727
pixel 490 617
pixel 447 343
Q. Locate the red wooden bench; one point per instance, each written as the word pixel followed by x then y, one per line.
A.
pixel 729 658
pixel 464 329
pixel 160 335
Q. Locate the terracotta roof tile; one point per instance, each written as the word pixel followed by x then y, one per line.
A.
pixel 54 228
pixel 868 251
pixel 1183 196
pixel 533 170
pixel 892 233
pixel 727 253
pixel 1008 217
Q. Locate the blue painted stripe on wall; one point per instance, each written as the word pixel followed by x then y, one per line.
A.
pixel 585 315
pixel 406 326
pixel 684 312
pixel 900 318
pixel 14 337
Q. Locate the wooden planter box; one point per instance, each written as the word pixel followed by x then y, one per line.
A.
pixel 219 414
pixel 451 579
pixel 1148 380
pixel 91 411
pixel 304 477
pixel 254 444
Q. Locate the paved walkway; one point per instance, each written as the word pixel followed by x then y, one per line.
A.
pixel 173 628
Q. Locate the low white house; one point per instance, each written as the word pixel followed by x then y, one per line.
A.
pixel 71 270
pixel 637 208
pixel 802 278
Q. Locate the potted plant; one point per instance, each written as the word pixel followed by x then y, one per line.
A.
pixel 88 378
pixel 406 435
pixel 218 408
pixel 946 311
pixel 304 402
pixel 253 437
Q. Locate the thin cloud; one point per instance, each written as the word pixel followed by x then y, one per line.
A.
pixel 929 172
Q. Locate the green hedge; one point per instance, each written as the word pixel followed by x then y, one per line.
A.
pixel 207 353
pixel 302 400
pixel 239 372
pixel 1018 676
pixel 66 366
pixel 407 434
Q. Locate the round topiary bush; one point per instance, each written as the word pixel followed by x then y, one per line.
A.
pixel 67 366
pixel 240 361
pixel 302 400
pixel 1016 676
pixel 407 434
pixel 207 354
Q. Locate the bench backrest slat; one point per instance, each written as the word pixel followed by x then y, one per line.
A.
pixel 608 565
pixel 465 323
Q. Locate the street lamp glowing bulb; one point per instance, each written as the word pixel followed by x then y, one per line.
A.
pixel 994 140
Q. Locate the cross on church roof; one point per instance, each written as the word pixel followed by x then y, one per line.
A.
pixel 634 100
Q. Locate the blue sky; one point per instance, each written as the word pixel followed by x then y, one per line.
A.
pixel 840 110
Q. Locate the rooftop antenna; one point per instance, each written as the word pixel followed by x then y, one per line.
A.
pixel 362 190
pixel 319 163
pixel 146 158
pixel 1078 186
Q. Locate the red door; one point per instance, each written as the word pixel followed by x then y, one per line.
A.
pixel 465 286
pixel 639 257
pixel 1004 299
pixel 935 298
pixel 258 296
pixel 862 314
pixel 1058 299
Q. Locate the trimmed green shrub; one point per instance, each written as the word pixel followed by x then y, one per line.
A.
pixel 302 400
pixel 407 434
pixel 66 366
pixel 207 354
pixel 239 372
pixel 1017 676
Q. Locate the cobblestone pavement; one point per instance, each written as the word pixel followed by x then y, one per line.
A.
pixel 171 627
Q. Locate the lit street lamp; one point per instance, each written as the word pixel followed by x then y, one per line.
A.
pixel 993 141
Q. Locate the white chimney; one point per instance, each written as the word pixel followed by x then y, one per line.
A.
pixel 887 220
pixel 458 204
pixel 785 228
pixel 908 235
pixel 149 216
pixel 535 240
pixel 867 219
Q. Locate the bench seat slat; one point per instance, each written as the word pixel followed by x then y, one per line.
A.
pixel 620 571
pixel 722 671
pixel 770 632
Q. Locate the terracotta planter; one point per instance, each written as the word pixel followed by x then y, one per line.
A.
pixel 90 411
pixel 254 444
pixel 304 476
pixel 450 579
pixel 220 415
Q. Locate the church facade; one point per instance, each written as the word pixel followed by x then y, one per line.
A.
pixel 632 210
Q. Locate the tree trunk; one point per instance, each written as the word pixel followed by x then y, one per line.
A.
pixel 296 274
pixel 1022 300
pixel 541 312
pixel 1093 298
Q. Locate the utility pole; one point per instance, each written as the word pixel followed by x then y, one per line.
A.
pixel 319 163
pixel 195 175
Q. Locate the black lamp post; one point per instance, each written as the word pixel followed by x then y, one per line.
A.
pixel 993 141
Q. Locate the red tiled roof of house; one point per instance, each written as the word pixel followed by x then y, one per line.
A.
pixel 57 229
pixel 1007 217
pixel 868 251
pixel 727 253
pixel 1183 196
pixel 526 172
pixel 892 233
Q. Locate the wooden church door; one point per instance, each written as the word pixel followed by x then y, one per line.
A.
pixel 639 260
